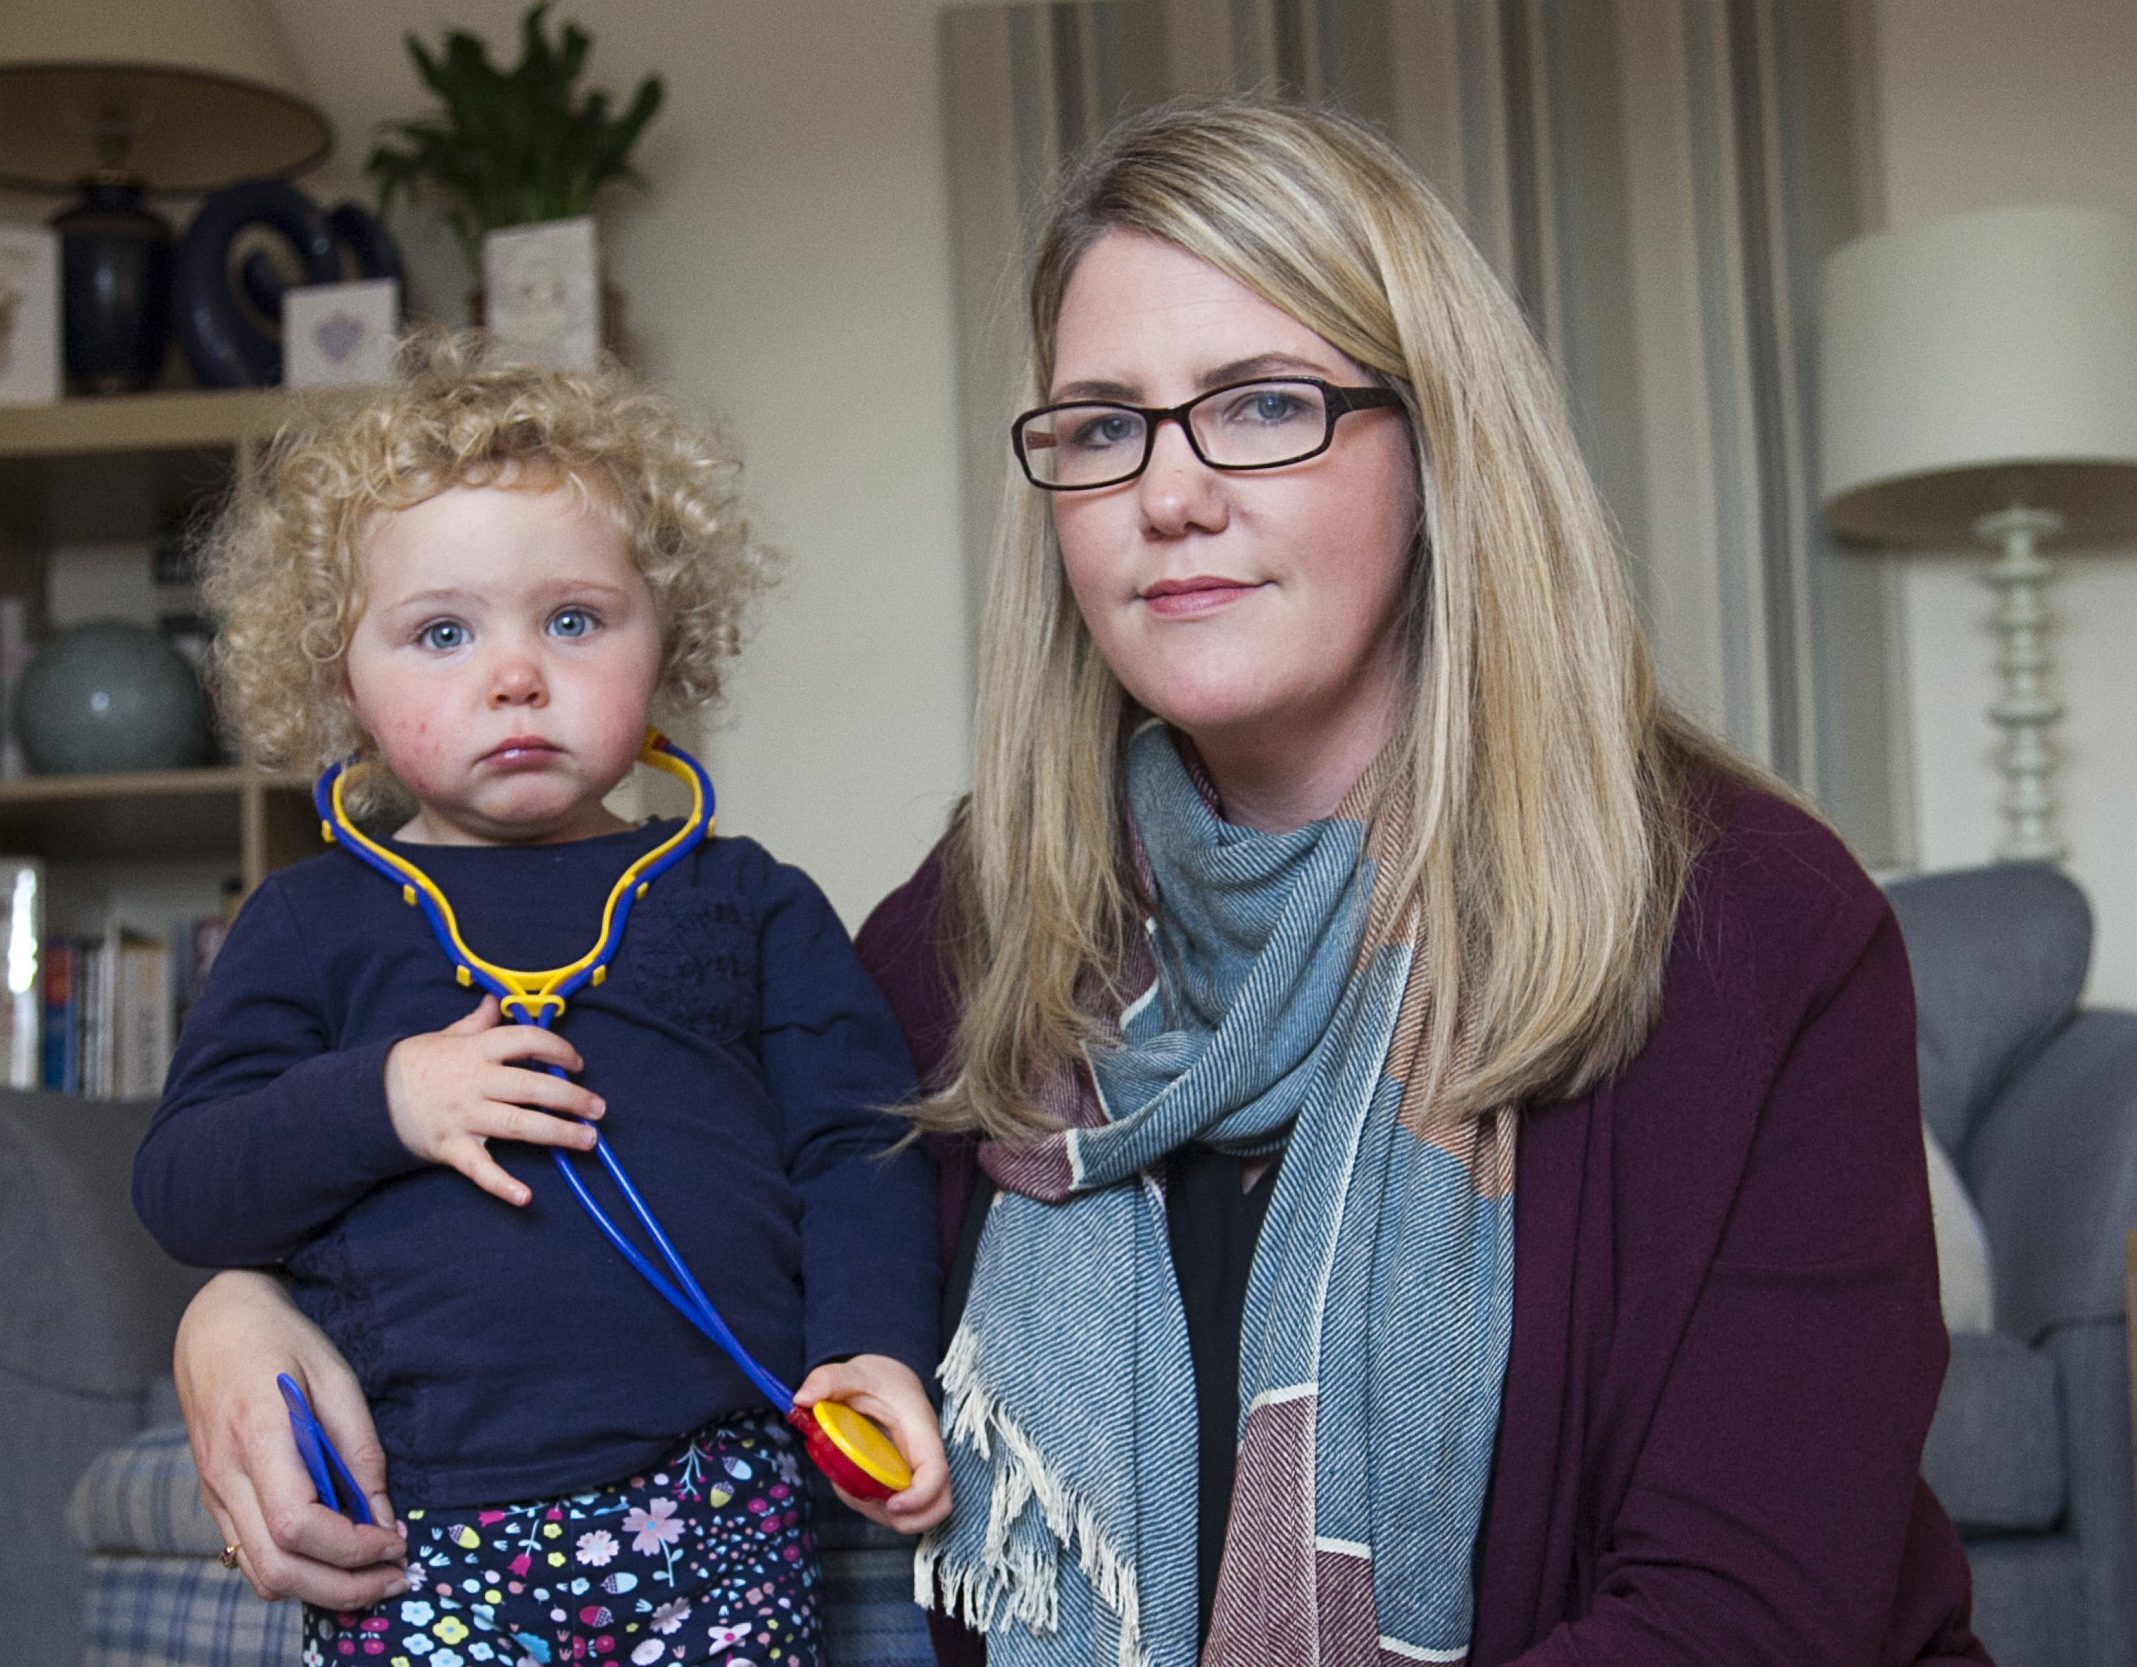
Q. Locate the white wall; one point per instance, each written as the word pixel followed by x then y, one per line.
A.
pixel 1984 103
pixel 793 252
pixel 795 245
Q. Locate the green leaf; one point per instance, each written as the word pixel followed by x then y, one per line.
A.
pixel 510 146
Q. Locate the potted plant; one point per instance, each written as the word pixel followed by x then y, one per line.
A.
pixel 511 147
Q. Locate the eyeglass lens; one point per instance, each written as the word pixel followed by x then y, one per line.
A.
pixel 1256 426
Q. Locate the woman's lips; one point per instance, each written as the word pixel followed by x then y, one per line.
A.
pixel 1186 598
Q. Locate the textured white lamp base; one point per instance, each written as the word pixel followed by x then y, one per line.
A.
pixel 2025 710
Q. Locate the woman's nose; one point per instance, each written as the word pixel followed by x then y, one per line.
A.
pixel 1177 490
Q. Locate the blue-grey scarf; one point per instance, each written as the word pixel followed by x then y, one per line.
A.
pixel 1285 1007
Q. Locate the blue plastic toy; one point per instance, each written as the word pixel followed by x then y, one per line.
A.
pixel 337 1488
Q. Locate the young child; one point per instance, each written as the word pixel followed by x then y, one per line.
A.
pixel 481 580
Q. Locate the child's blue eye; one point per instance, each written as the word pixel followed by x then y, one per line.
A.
pixel 572 622
pixel 443 634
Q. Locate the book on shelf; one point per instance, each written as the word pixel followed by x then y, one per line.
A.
pixel 22 886
pixel 112 1005
pixel 194 944
pixel 141 1016
pixel 62 1040
pixel 97 996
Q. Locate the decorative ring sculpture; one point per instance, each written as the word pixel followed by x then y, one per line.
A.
pixel 229 322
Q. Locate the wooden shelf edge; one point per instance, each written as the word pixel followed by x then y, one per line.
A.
pixel 179 420
pixel 35 790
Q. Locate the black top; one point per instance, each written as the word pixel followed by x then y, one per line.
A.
pixel 1213 1221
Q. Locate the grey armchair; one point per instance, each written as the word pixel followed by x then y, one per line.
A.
pixel 2036 1101
pixel 124 1574
pixel 87 1310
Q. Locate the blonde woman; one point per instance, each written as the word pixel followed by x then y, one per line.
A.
pixel 1431 1159
pixel 1449 1183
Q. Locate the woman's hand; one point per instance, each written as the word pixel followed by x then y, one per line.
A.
pixel 890 1393
pixel 239 1332
pixel 452 1091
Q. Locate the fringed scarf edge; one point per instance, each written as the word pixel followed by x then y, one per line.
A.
pixel 1006 1587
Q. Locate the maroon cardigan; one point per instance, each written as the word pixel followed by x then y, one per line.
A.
pixel 1726 1341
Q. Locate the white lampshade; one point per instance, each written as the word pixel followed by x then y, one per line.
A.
pixel 207 91
pixel 1973 363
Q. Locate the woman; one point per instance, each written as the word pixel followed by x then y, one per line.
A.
pixel 1449 1183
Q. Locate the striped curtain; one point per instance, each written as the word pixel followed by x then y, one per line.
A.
pixel 1656 179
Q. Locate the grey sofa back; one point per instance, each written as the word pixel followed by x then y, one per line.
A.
pixel 88 1307
pixel 1999 957
pixel 2036 1099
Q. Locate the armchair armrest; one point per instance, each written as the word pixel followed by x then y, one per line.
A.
pixel 88 1303
pixel 2053 1168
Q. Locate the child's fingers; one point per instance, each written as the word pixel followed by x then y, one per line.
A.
pixel 531 1042
pixel 514 1085
pixel 927 1501
pixel 485 1017
pixel 471 1157
pixel 504 1120
pixel 914 1511
pixel 911 1423
pixel 833 1381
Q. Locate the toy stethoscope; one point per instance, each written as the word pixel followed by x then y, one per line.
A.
pixel 846 1445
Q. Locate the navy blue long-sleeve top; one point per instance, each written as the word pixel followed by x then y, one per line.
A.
pixel 509 1353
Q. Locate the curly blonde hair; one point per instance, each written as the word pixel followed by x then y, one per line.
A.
pixel 280 567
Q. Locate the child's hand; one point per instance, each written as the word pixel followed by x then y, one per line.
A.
pixel 451 1091
pixel 891 1394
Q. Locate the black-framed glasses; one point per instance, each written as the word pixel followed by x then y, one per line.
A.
pixel 1263 424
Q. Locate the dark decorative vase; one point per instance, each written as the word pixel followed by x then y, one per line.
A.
pixel 115 287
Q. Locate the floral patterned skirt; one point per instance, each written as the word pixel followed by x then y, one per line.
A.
pixel 706 1558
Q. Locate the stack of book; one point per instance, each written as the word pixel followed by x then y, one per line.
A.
pixel 112 1006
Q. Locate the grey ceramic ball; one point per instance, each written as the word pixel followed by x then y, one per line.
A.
pixel 110 696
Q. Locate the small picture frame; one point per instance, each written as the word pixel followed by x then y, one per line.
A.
pixel 340 335
pixel 29 315
pixel 542 293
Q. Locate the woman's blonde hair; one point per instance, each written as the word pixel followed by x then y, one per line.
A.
pixel 1553 828
pixel 281 570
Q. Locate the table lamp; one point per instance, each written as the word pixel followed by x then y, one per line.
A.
pixel 120 97
pixel 1978 379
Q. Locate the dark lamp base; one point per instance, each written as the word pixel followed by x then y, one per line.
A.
pixel 115 289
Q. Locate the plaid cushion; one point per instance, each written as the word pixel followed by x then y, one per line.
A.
pixel 870 1618
pixel 144 1497
pixel 183 1612
pixel 157 1597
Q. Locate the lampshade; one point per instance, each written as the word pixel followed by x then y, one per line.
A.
pixel 205 91
pixel 1977 362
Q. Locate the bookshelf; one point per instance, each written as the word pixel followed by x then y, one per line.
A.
pixel 264 820
pixel 191 418
pixel 153 850
pixel 120 469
